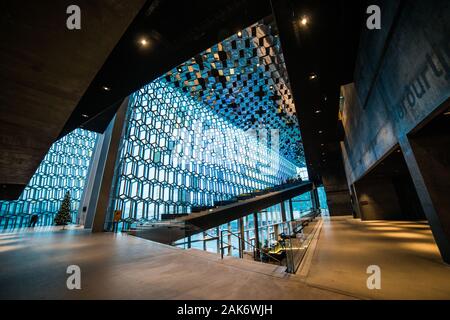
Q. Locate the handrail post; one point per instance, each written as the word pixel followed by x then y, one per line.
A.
pixel 221 244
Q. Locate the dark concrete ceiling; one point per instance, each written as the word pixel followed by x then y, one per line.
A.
pixel 325 47
pixel 45 69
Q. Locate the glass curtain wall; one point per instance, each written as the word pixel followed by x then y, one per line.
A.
pixel 178 153
pixel 63 169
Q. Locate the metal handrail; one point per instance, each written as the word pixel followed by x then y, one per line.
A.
pixel 245 241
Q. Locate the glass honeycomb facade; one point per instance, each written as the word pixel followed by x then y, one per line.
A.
pixel 63 169
pixel 178 153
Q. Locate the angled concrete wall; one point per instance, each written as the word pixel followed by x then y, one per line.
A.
pixel 402 80
pixel 401 76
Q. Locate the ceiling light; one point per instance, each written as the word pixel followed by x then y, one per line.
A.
pixel 271 87
pixel 447 113
pixel 143 42
pixel 304 21
pixel 321 144
pixel 106 88
pixel 312 76
pixel 84 115
pixel 239 34
pixel 318 111
pixel 320 131
pixel 179 69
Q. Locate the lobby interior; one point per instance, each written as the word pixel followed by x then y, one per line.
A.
pixel 225 150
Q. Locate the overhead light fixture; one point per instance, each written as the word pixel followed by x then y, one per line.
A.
pixel 239 34
pixel 106 88
pixel 304 21
pixel 312 76
pixel 271 87
pixel 447 113
pixel 143 42
pixel 84 115
pixel 179 69
pixel 321 144
pixel 320 131
pixel 318 111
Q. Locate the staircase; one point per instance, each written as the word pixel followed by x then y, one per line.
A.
pixel 170 231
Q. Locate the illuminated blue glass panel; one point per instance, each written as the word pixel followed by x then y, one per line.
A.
pixel 322 197
pixel 63 169
pixel 178 153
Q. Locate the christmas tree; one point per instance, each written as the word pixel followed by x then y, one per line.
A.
pixel 63 217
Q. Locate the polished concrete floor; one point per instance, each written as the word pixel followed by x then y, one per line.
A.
pixel 409 260
pixel 33 265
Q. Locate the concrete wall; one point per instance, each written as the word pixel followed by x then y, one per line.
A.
pixel 377 200
pixel 388 198
pixel 402 75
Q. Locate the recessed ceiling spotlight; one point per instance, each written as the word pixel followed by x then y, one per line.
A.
pixel 143 42
pixel 179 69
pixel 312 76
pixel 271 87
pixel 318 111
pixel 84 115
pixel 320 131
pixel 239 34
pixel 321 144
pixel 106 88
pixel 304 21
pixel 325 98
pixel 447 113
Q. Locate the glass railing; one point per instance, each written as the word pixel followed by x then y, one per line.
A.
pixel 297 237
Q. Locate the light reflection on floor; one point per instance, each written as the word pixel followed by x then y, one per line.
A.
pixel 406 252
